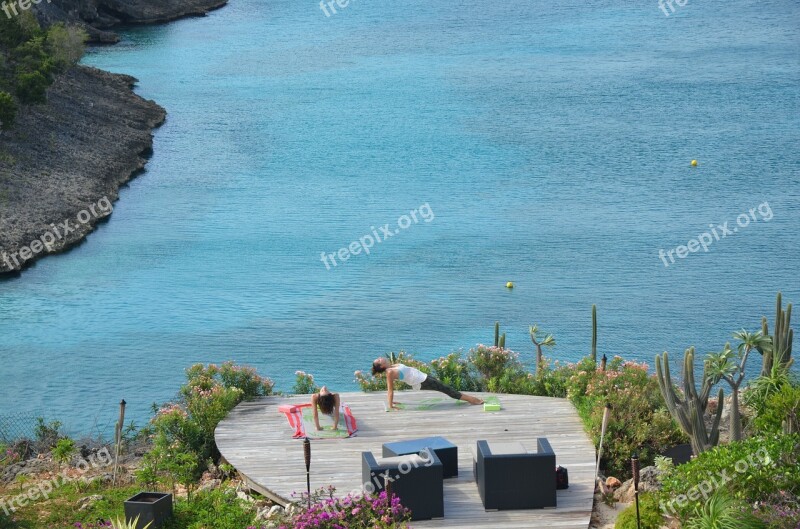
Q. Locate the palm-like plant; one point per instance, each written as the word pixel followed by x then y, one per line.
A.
pixel 730 366
pixel 722 512
pixel 123 523
pixel 547 341
pixel 763 387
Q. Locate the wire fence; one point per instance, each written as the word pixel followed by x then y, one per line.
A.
pixel 17 426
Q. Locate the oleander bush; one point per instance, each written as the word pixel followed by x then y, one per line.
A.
pixel 182 432
pixel 492 362
pixel 304 384
pixel 639 422
pixel 457 372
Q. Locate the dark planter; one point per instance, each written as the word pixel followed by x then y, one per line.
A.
pixel 679 454
pixel 153 507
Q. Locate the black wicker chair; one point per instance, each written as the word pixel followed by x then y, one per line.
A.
pixel 418 481
pixel 510 477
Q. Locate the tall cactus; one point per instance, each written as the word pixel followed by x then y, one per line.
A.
pixel 499 340
pixel 780 351
pixel 594 334
pixel 689 407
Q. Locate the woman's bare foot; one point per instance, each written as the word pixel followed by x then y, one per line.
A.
pixel 472 400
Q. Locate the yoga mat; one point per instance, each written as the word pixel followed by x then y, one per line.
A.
pixel 301 419
pixel 427 404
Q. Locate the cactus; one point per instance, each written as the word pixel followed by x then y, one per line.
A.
pixel 594 334
pixel 780 350
pixel 689 408
pixel 499 340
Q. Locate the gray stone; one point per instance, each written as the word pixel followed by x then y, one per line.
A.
pixel 88 502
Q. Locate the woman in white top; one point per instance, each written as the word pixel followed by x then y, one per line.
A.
pixel 416 379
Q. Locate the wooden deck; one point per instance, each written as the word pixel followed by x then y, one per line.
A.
pixel 256 439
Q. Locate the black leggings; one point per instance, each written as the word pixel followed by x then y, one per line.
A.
pixel 434 384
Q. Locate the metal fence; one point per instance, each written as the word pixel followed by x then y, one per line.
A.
pixel 16 426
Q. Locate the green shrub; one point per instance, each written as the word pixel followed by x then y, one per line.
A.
pixel 32 87
pixel 780 412
pixel 760 389
pixel 8 111
pixel 749 470
pixel 47 433
pixel 638 423
pixel 219 508
pixel 66 45
pixel 64 450
pixel 304 384
pixel 649 514
pixel 15 31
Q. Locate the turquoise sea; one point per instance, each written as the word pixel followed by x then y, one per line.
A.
pixel 550 141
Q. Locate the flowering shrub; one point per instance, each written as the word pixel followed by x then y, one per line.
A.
pixel 455 371
pixel 183 432
pixel 491 361
pixel 779 511
pixel 8 455
pixel 639 422
pixel 304 383
pixel 352 512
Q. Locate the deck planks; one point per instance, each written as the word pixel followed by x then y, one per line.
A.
pixel 256 439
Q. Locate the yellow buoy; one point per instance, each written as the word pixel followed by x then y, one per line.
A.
pixel 694 163
pixel 509 285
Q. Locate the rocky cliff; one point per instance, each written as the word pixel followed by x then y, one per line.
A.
pixel 98 16
pixel 63 161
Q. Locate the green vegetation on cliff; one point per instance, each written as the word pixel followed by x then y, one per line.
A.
pixel 30 58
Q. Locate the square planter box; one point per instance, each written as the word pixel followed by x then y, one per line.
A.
pixel 153 507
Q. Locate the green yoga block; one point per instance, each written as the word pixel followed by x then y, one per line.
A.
pixel 492 404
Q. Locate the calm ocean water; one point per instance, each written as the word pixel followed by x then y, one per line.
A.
pixel 551 141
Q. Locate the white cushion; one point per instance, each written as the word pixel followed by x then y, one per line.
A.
pixel 506 448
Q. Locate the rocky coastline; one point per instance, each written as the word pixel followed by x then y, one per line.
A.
pixel 67 158
pixel 63 161
pixel 97 17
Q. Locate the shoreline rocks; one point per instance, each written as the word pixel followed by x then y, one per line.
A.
pixel 98 16
pixel 69 157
